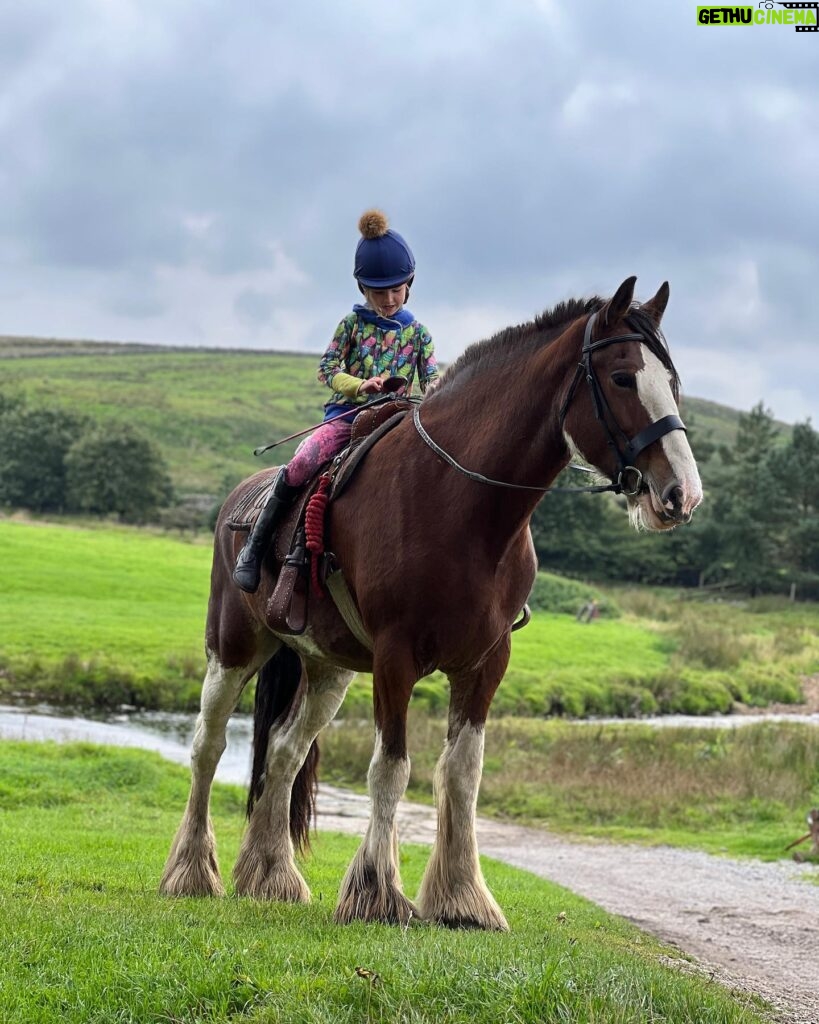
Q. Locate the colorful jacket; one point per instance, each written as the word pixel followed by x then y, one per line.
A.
pixel 366 345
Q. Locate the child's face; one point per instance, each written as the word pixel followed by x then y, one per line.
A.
pixel 387 301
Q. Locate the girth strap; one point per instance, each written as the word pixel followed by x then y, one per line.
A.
pixel 340 593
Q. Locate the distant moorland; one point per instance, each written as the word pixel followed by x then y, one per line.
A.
pixel 207 409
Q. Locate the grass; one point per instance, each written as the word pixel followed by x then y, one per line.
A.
pixel 105 615
pixel 102 615
pixel 86 938
pixel 743 791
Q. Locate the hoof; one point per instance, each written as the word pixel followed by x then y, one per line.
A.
pixel 192 868
pixel 263 879
pixel 365 897
pixel 466 907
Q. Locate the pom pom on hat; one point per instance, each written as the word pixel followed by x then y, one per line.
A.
pixel 382 257
pixel 373 224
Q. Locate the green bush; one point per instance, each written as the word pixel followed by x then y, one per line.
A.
pixel 558 594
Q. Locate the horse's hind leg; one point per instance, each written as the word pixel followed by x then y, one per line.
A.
pixel 371 890
pixel 192 868
pixel 266 867
pixel 453 891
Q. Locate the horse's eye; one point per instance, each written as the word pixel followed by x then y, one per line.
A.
pixel 624 380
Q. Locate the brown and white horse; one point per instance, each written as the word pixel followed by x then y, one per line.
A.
pixel 433 538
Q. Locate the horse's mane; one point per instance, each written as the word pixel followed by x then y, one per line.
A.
pixel 509 345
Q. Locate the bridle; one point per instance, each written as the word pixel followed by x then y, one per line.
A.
pixel 626 450
pixel 629 479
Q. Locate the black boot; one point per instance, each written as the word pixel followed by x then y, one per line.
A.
pixel 248 571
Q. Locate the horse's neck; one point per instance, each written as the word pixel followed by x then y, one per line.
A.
pixel 504 422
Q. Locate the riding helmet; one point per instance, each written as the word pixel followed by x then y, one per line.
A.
pixel 382 257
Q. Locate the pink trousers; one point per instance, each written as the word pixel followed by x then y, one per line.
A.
pixel 325 442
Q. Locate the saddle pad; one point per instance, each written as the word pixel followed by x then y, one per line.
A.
pixel 247 509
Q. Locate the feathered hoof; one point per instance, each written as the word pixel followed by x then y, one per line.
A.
pixel 261 879
pixel 192 870
pixel 390 906
pixel 366 898
pixel 468 908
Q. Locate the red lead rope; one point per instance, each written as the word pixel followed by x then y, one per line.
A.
pixel 314 529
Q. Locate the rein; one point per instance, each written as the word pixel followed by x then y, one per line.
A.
pixel 481 479
pixel 626 454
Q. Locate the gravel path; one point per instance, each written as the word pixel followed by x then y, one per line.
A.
pixel 754 926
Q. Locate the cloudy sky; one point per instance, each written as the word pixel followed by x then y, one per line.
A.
pixel 192 172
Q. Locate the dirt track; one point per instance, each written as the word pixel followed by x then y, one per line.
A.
pixel 755 926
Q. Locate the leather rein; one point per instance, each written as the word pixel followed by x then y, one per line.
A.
pixel 624 448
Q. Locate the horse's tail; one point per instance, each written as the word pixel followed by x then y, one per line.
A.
pixel 278 695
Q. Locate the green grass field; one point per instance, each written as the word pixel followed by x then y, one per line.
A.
pixel 104 615
pixel 86 938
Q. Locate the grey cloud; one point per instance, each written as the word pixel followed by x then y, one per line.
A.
pixel 255 307
pixel 528 151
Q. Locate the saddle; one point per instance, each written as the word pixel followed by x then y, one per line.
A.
pixel 287 607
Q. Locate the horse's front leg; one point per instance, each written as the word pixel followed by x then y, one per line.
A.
pixel 453 891
pixel 371 890
pixel 192 868
pixel 266 867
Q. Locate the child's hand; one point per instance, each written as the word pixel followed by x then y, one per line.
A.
pixel 370 387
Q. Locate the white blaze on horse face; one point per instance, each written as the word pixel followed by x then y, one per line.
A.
pixel 654 391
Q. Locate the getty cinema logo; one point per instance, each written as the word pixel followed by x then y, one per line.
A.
pixel 803 16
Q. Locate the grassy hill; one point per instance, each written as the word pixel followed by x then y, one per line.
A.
pixel 207 409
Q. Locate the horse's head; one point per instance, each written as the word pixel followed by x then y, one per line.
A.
pixel 620 410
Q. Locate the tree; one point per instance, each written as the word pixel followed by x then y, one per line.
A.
pixel 589 535
pixel 796 472
pixel 746 507
pixel 33 448
pixel 114 469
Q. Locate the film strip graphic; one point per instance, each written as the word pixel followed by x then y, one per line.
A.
pixel 804 7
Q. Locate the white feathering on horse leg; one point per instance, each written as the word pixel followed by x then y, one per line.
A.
pixel 192 868
pixel 266 867
pixel 453 891
pixel 371 890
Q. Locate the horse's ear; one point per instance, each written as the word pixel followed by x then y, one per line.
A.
pixel 656 307
pixel 619 303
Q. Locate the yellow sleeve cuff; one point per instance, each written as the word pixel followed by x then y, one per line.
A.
pixel 346 384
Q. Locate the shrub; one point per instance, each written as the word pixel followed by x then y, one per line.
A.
pixel 558 594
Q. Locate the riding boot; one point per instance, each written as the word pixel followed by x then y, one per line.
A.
pixel 248 571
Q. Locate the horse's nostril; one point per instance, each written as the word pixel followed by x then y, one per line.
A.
pixel 673 497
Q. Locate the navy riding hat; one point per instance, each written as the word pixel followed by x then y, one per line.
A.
pixel 382 257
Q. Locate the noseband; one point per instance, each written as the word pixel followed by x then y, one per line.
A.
pixel 626 450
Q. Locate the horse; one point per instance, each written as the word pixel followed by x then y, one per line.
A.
pixel 432 535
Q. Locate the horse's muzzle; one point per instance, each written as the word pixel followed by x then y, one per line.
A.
pixel 674 504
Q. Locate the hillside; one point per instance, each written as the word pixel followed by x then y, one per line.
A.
pixel 207 409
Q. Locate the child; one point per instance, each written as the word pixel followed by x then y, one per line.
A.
pixel 377 340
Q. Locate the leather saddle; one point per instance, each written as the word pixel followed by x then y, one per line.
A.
pixel 287 607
